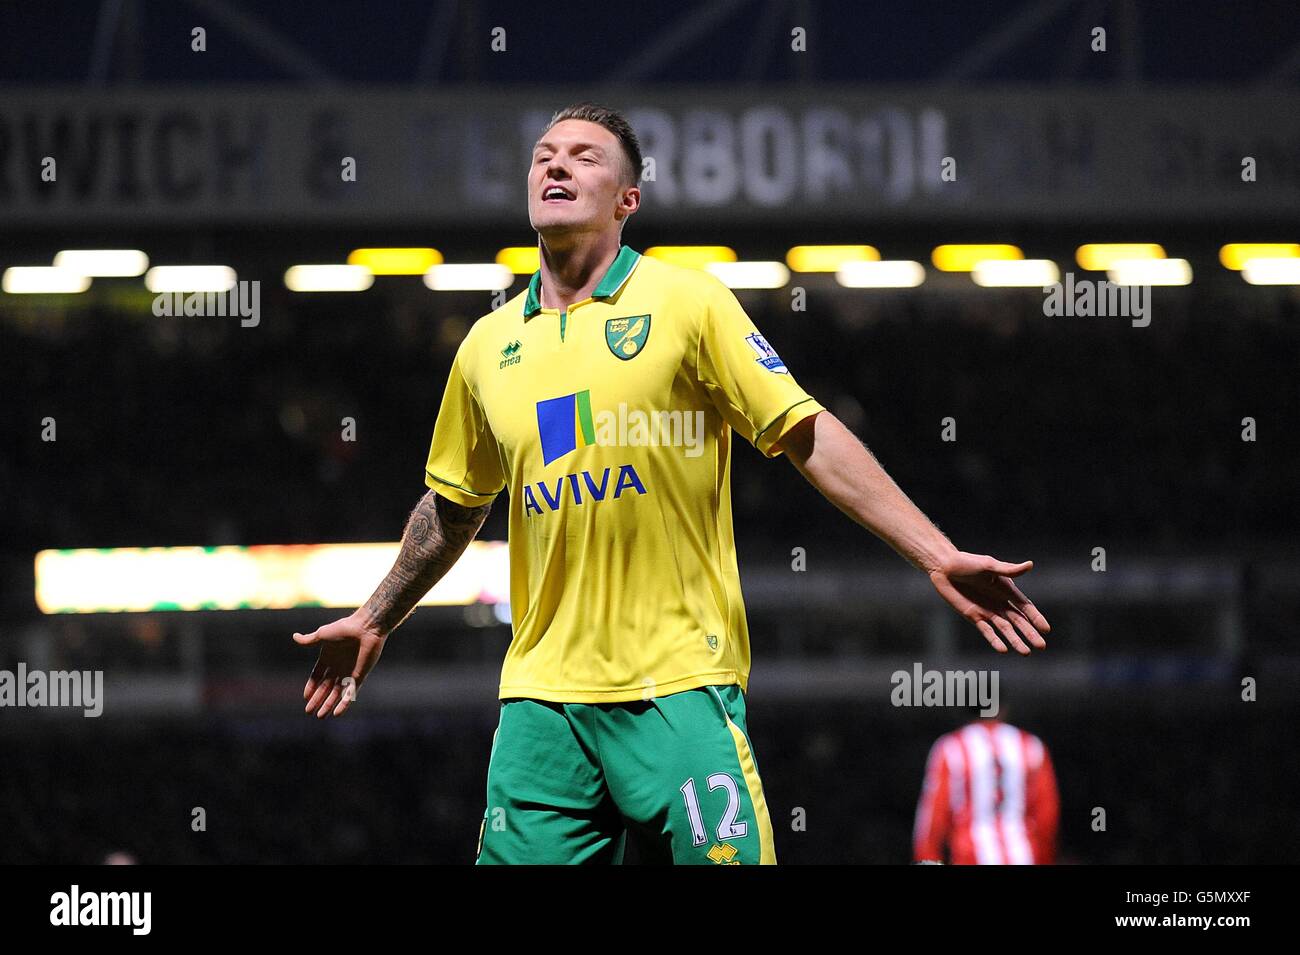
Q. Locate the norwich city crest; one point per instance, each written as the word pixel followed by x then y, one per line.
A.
pixel 626 336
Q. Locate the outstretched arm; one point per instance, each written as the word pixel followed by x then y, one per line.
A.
pixel 978 587
pixel 437 533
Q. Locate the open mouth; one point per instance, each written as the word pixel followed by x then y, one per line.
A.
pixel 557 194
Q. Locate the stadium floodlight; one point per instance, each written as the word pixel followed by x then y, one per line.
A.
pixel 1150 272
pixel 1235 255
pixel 190 278
pixel 520 259
pixel 1098 256
pixel 891 273
pixel 1271 271
pixel 328 278
pixel 692 256
pixel 43 280
pixel 103 263
pixel 750 274
pixel 261 577
pixel 1015 273
pixel 396 261
pixel 469 277
pixel 828 258
pixel 964 258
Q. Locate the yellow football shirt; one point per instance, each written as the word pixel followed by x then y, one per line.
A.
pixel 611 425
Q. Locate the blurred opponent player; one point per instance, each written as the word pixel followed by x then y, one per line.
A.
pixel 989 796
pixel 605 397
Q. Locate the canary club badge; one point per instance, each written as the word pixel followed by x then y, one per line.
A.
pixel 626 336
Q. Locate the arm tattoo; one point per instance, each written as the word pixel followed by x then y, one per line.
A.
pixel 437 533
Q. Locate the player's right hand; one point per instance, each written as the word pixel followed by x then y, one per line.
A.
pixel 349 649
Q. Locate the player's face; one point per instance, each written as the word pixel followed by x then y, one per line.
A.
pixel 575 183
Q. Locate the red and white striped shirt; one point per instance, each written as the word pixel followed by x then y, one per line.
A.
pixel 990 796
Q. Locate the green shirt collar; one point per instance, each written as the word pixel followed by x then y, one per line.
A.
pixel 612 281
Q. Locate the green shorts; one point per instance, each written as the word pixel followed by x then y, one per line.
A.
pixel 575 783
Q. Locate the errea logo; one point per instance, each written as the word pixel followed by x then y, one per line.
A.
pixel 510 354
pixel 724 854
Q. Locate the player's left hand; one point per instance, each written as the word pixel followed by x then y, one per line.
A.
pixel 980 588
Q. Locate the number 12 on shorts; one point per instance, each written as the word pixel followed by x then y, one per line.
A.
pixel 728 828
